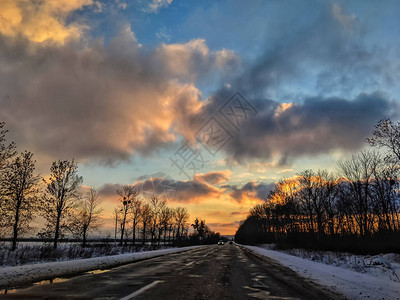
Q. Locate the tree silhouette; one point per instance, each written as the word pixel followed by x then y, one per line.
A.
pixel 61 190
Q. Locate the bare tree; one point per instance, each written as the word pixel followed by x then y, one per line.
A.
pixel 359 171
pixel 135 213
pixel 61 190
pixel 128 194
pixel 171 226
pixel 387 135
pixel 88 215
pixel 330 190
pixel 181 217
pixel 385 197
pixel 7 151
pixel 116 214
pixel 316 193
pixel 308 195
pixel 20 190
pixel 146 216
pixel 156 205
pixel 166 217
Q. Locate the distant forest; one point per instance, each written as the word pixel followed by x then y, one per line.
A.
pixel 355 210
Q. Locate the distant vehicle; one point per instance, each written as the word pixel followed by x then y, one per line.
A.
pixel 221 242
pixel 230 242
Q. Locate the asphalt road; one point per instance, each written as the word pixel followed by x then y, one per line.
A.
pixel 210 272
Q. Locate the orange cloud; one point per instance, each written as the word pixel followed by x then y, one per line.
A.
pixel 41 21
pixel 189 60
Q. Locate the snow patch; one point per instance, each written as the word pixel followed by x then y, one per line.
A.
pixel 372 280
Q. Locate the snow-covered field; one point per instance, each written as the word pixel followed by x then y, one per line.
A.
pixel 355 276
pixel 21 275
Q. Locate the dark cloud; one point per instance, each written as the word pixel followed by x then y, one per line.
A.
pixel 317 125
pixel 327 55
pixel 236 213
pixel 250 189
pixel 215 177
pixel 191 190
pixel 169 189
pixel 109 190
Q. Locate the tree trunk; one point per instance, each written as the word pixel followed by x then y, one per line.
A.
pixel 15 231
pixel 84 238
pixel 57 231
pixel 134 234
pixel 178 235
pixel 123 229
pixel 159 235
pixel 144 234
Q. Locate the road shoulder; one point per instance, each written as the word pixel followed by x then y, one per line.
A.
pixel 352 285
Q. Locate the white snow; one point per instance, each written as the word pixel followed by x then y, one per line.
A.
pixel 21 275
pixel 385 266
pixel 343 279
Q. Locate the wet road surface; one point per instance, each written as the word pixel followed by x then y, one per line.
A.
pixel 210 272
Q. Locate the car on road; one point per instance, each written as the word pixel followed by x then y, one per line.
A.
pixel 230 242
pixel 220 242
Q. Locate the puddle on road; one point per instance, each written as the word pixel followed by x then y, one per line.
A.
pixel 23 287
pixel 98 271
pixel 6 291
pixel 48 281
pixel 54 280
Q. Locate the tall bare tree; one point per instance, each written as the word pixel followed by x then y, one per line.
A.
pixel 146 216
pixel 181 217
pixel 359 171
pixel 61 190
pixel 156 205
pixel 135 213
pixel 7 151
pixel 88 215
pixel 387 135
pixel 20 190
pixel 127 194
pixel 166 217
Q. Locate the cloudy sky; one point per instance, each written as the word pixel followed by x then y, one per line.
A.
pixel 206 103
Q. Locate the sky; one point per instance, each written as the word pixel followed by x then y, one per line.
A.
pixel 205 103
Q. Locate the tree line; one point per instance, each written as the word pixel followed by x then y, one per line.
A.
pixel 150 219
pixel 355 208
pixel 68 210
pixel 24 196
